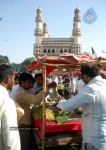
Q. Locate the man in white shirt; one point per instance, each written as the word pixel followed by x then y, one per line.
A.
pixel 15 86
pixel 80 85
pixel 38 86
pixel 14 89
pixel 9 134
pixel 93 100
pixel 56 80
pixel 72 85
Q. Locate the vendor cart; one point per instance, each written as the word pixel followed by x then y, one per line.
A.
pixel 69 62
pixel 58 134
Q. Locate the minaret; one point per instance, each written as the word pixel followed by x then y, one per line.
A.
pixel 45 30
pixel 39 26
pixel 77 32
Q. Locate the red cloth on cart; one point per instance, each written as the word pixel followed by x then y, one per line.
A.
pixel 54 127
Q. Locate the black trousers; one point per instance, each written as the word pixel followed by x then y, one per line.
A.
pixel 26 137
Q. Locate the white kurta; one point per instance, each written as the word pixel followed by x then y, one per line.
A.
pixel 9 134
pixel 93 100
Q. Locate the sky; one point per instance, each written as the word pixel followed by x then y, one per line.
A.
pixel 18 24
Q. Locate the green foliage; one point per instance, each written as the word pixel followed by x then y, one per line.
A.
pixel 20 67
pixel 27 61
pixel 4 59
pixel 16 66
pixel 62 113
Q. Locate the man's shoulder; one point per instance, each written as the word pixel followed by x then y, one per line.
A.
pixel 18 93
pixel 4 97
pixel 21 94
pixel 80 82
pixel 6 103
pixel 20 89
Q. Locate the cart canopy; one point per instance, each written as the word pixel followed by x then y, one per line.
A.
pixel 65 60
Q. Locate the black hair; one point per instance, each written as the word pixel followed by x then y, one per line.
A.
pixel 16 77
pixel 37 75
pixel 61 92
pixel 5 70
pixel 33 80
pixel 24 77
pixel 90 69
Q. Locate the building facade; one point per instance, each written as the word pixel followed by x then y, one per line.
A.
pixel 55 46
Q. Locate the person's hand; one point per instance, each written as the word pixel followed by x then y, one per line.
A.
pixel 51 85
pixel 54 108
pixel 59 97
pixel 49 99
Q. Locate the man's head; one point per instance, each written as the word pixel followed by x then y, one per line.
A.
pixel 7 75
pixel 39 79
pixel 25 80
pixel 89 71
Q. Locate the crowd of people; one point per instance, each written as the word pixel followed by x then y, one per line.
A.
pixel 26 91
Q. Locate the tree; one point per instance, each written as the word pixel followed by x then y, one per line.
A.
pixel 4 59
pixel 26 62
pixel 16 67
